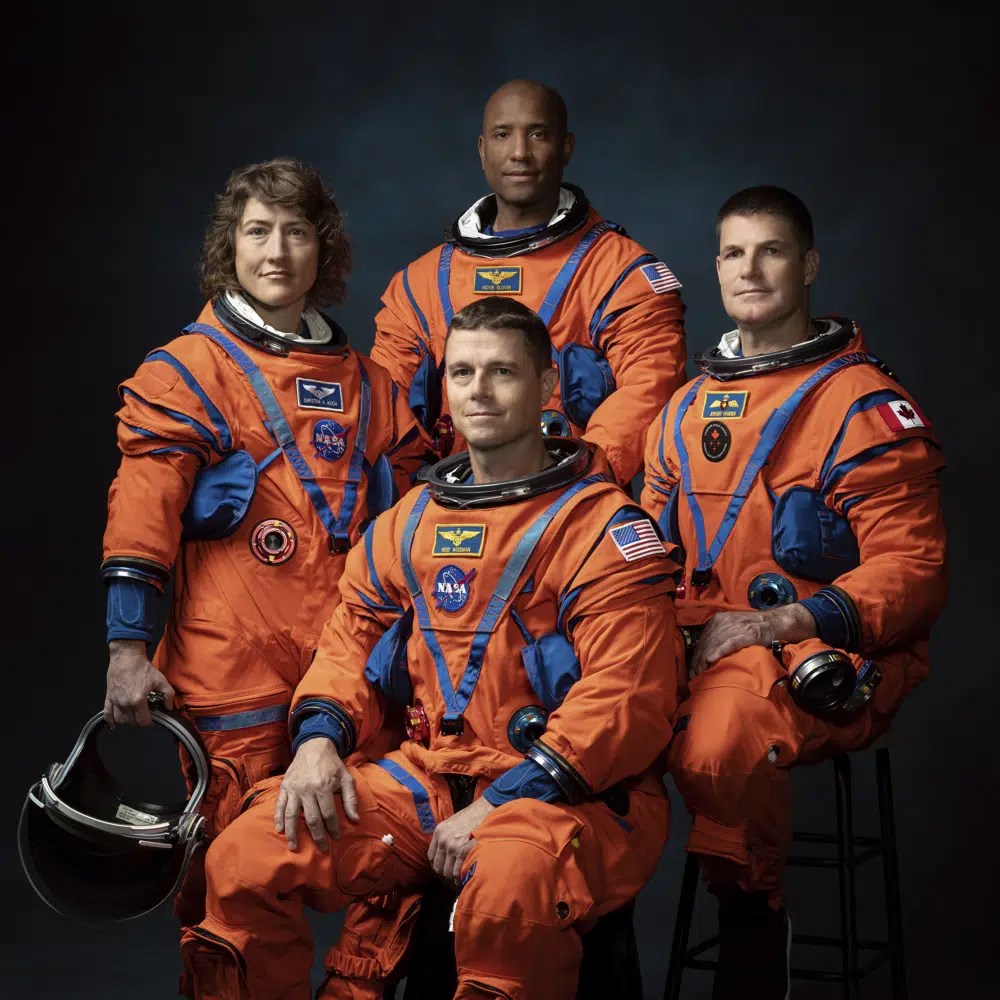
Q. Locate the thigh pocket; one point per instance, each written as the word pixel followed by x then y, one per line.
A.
pixel 367 867
pixel 247 742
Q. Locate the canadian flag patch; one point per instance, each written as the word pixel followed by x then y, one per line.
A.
pixel 901 415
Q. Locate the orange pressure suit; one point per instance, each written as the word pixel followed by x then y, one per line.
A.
pixel 251 463
pixel 804 475
pixel 614 313
pixel 554 604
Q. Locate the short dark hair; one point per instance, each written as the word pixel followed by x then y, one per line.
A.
pixel 768 199
pixel 499 312
pixel 292 185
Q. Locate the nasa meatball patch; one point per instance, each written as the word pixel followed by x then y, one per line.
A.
pixel 313 395
pixel 330 440
pixel 452 587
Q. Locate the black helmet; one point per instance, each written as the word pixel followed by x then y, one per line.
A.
pixel 96 848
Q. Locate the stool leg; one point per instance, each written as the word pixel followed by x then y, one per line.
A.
pixel 682 928
pixel 845 868
pixel 890 868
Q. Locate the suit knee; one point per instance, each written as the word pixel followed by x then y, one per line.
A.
pixel 725 745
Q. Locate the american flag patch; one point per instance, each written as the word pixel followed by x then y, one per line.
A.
pixel 637 539
pixel 660 277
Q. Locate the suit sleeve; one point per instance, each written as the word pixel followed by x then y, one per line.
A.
pixel 402 333
pixel 641 333
pixel 173 423
pixel 660 479
pixel 411 448
pixel 886 482
pixel 619 616
pixel 339 684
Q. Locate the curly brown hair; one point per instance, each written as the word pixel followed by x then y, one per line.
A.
pixel 293 185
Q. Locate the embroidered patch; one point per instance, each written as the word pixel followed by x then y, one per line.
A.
pixel 901 415
pixel 636 539
pixel 452 587
pixel 661 279
pixel 554 424
pixel 497 281
pixel 724 405
pixel 716 441
pixel 273 541
pixel 459 540
pixel 319 395
pixel 330 440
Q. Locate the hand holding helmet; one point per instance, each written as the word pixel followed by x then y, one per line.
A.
pixel 131 681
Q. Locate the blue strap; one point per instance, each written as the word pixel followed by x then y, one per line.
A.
pixel 599 321
pixel 682 458
pixel 241 720
pixel 457 701
pixel 421 318
pixel 336 527
pixel 349 500
pixel 770 434
pixel 566 272
pixel 214 413
pixel 558 288
pixel 444 275
pixel 420 798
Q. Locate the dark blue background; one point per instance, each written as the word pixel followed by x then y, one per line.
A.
pixel 120 126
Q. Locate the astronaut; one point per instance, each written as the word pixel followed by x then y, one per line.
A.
pixel 612 308
pixel 522 604
pixel 801 482
pixel 254 448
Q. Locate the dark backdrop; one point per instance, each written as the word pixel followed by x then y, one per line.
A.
pixel 121 125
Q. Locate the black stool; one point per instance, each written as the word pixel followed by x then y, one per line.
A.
pixel 852 851
pixel 610 965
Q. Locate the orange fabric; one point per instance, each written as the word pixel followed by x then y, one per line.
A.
pixel 738 735
pixel 537 877
pixel 740 707
pixel 643 343
pixel 619 621
pixel 241 633
pixel 612 726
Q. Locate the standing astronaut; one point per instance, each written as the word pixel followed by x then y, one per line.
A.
pixel 254 449
pixel 542 653
pixel 613 310
pixel 801 482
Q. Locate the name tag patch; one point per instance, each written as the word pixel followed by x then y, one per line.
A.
pixel 724 405
pixel 314 395
pixel 459 540
pixel 497 281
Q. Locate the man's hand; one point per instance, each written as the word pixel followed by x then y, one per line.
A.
pixel 729 631
pixel 453 839
pixel 315 775
pixel 131 678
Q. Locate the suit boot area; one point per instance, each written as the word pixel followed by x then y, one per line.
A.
pixel 754 948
